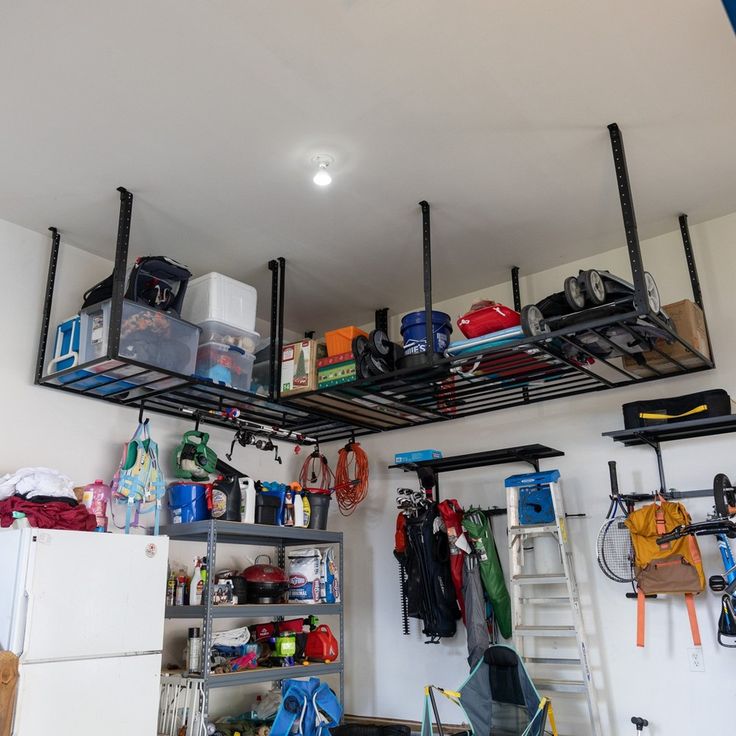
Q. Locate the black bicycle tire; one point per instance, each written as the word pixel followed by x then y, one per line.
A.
pixel 724 500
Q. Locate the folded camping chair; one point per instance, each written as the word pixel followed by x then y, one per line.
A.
pixel 498 698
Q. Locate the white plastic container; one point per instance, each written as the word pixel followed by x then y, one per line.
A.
pixel 248 501
pixel 218 298
pixel 220 332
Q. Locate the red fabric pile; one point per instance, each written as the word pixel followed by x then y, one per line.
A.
pixel 48 515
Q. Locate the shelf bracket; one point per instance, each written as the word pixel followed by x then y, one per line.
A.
pixel 534 462
pixel 47 303
pixel 660 465
pixel 629 216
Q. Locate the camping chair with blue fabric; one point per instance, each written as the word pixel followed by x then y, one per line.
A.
pixel 498 698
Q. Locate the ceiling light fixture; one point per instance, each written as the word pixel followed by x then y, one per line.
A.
pixel 322 178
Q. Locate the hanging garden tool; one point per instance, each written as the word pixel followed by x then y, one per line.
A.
pixel 193 458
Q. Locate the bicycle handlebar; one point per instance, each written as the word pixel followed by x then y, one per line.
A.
pixel 701 528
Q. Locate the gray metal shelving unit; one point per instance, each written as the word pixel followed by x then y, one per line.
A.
pixel 260 535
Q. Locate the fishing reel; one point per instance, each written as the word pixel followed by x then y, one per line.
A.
pixel 245 437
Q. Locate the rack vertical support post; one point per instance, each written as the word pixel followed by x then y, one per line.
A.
pixel 629 216
pixel 273 267
pixel 208 605
pixel 282 288
pixel 118 274
pixel 47 303
pixel 381 319
pixel 427 269
pixel 515 288
pixel 692 270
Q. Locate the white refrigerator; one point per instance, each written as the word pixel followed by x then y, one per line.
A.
pixel 85 613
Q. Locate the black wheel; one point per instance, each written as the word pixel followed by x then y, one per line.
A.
pixel 532 321
pixel 360 343
pixel 362 368
pixel 574 294
pixel 595 289
pixel 377 365
pixel 724 496
pixel 653 300
pixel 379 344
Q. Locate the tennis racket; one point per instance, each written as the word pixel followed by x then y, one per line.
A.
pixel 614 547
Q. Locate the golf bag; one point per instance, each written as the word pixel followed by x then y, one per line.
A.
pixel 423 550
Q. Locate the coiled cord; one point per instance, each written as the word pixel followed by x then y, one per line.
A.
pixel 351 487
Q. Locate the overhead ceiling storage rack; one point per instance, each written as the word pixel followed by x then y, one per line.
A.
pixel 526 370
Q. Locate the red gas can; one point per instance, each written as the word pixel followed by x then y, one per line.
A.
pixel 321 645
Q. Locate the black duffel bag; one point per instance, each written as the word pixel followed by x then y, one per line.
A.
pixel 713 403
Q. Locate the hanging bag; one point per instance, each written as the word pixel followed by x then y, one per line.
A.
pixel 452 516
pixel 672 568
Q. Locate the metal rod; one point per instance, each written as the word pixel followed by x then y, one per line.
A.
pixel 273 267
pixel 118 274
pixel 282 287
pixel 660 465
pixel 207 622
pixel 692 270
pixel 427 269
pixel 47 303
pixel 515 287
pixel 629 216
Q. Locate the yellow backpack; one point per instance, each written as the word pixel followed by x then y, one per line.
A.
pixel 675 567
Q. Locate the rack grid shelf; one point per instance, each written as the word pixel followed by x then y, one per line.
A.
pixel 213 533
pixel 532 368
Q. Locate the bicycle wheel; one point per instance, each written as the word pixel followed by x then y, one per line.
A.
pixel 724 496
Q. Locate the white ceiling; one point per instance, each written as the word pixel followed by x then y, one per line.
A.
pixel 210 110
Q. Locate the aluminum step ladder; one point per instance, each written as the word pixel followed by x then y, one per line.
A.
pixel 541 500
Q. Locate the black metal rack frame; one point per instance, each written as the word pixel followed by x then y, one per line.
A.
pixel 523 371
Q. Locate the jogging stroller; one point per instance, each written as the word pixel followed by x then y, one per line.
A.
pixel 498 699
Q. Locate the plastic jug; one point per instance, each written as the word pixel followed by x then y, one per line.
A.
pixel 95 497
pixel 247 500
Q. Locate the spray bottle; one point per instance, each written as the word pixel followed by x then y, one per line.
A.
pixel 195 585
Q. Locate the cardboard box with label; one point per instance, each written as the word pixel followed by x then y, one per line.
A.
pixel 299 366
pixel 690 325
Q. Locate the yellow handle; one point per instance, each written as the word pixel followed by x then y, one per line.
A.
pixel 696 410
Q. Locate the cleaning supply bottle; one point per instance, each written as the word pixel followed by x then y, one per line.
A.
pixel 307 508
pixel 247 500
pixel 195 586
pixel 289 508
pixel 298 510
pixel 20 521
pixel 171 589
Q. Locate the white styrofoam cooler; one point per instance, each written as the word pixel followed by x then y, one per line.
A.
pixel 214 297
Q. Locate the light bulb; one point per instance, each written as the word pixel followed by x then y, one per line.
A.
pixel 322 178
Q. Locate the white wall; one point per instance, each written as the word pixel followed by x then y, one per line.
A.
pixel 386 671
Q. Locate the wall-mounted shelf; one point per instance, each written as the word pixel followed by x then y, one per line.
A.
pixel 674 431
pixel 428 470
pixel 528 369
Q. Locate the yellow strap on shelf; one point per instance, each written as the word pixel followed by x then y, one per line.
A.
pixel 650 415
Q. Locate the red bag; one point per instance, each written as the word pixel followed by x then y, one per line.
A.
pixel 269 630
pixel 321 645
pixel 452 515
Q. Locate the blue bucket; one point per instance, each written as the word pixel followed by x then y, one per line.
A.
pixel 414 332
pixel 188 502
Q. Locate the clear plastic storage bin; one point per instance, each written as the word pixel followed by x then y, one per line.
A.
pixel 218 298
pixel 225 364
pixel 147 335
pixel 220 332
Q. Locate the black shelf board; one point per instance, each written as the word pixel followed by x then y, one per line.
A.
pixel 674 431
pixel 266 610
pixel 233 532
pixel 520 454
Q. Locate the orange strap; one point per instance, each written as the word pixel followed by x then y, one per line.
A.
pixel 661 526
pixel 692 615
pixel 640 600
pixel 694 549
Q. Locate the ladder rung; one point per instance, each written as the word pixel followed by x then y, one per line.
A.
pixel 531 529
pixel 550 600
pixel 526 630
pixel 560 686
pixel 553 660
pixel 546 579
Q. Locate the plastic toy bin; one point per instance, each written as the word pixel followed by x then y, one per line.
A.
pixel 146 335
pixel 225 364
pixel 341 340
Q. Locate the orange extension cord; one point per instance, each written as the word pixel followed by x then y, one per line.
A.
pixel 316 472
pixel 349 492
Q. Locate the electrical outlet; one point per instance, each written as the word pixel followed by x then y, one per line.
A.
pixel 696 659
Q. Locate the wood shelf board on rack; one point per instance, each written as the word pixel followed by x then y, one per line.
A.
pixel 271 674
pixel 671 431
pixel 234 532
pixel 519 454
pixel 256 610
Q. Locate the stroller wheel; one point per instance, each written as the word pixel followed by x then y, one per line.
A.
pixel 653 300
pixel 532 321
pixel 595 289
pixel 574 294
pixel 724 496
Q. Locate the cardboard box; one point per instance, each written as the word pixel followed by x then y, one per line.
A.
pixel 335 359
pixel 690 325
pixel 299 366
pixel 416 456
pixel 337 371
